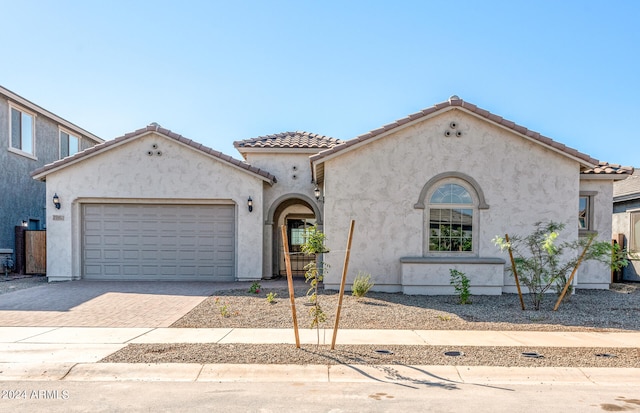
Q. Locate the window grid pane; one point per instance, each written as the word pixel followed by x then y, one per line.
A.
pixel 450 229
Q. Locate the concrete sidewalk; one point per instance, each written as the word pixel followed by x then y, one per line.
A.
pixel 72 353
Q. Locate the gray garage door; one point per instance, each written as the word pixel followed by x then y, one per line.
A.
pixel 158 242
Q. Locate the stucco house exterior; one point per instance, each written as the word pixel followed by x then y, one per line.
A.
pixel 428 193
pixel 30 137
pixel 626 221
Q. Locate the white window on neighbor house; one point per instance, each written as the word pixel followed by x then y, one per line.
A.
pixel 21 130
pixel 634 239
pixel 585 211
pixel 451 216
pixel 69 144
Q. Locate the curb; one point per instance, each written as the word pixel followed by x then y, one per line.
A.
pixel 415 375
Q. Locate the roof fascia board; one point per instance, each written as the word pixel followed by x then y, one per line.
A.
pixel 280 150
pixel 444 110
pixel 263 178
pixel 627 197
pixel 32 106
pixel 42 176
pixel 528 138
pixel 603 177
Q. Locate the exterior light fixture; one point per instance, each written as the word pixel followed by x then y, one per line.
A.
pixel 24 223
pixel 250 204
pixel 56 201
pixel 316 192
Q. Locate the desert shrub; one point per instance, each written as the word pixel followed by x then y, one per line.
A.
pixel 361 285
pixel 542 263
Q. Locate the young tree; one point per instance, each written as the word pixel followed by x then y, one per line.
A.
pixel 542 263
pixel 314 245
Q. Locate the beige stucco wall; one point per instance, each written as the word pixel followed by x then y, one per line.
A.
pixel 593 274
pixel 127 174
pixel 292 171
pixel 378 184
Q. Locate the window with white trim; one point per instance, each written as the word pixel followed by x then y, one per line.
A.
pixel 69 144
pixel 451 212
pixel 21 130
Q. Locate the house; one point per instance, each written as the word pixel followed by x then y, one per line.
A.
pixel 626 221
pixel 30 137
pixel 428 193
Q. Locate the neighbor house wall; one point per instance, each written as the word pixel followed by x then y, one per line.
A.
pixel 622 225
pixel 127 174
pixel 23 199
pixel 379 183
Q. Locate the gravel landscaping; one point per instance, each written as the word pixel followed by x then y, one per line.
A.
pixel 15 282
pixel 588 310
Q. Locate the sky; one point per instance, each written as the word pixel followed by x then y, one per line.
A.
pixel 220 71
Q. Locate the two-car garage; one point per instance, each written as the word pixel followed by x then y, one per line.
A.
pixel 154 206
pixel 158 242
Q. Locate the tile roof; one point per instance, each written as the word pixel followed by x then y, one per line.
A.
pixel 628 188
pixel 605 168
pixel 154 127
pixel 291 140
pixel 456 102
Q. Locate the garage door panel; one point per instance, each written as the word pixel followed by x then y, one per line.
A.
pixel 159 242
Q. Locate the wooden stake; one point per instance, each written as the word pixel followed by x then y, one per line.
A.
pixel 342 283
pixel 515 273
pixel 292 298
pixel 566 286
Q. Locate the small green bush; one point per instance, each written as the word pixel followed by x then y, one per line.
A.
pixel 460 283
pixel 361 285
pixel 255 288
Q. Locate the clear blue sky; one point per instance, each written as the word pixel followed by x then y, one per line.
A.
pixel 219 71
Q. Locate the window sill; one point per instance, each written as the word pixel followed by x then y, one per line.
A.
pixel 451 260
pixel 586 233
pixel 22 153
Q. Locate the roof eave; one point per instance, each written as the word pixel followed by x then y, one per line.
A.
pixel 41 173
pixel 36 108
pixel 444 107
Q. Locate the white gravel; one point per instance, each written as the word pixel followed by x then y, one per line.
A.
pixel 587 310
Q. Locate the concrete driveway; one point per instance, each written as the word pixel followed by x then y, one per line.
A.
pixel 105 303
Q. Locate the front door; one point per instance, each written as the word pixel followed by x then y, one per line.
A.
pixel 296 228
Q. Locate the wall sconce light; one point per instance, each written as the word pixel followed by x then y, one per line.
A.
pixel 250 204
pixel 316 193
pixel 25 223
pixel 56 201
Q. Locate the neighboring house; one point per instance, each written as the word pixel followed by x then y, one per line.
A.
pixel 30 137
pixel 626 221
pixel 428 193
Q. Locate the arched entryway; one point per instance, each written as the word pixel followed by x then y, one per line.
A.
pixel 296 212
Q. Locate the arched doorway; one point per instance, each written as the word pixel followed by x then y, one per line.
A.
pixel 296 212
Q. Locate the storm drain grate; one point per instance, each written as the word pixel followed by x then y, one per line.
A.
pixel 532 355
pixel 605 355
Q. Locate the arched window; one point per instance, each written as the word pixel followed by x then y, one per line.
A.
pixel 451 219
pixel 451 202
